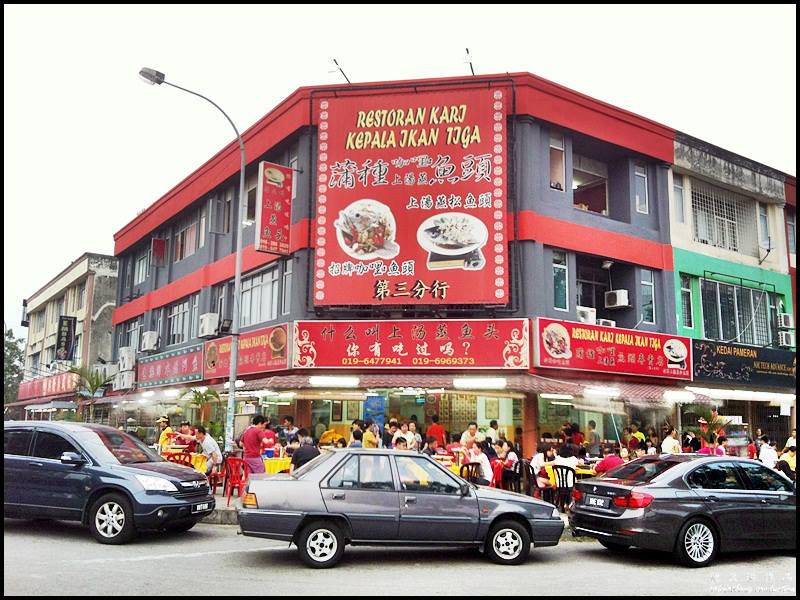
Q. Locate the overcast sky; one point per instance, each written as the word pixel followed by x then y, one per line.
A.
pixel 87 145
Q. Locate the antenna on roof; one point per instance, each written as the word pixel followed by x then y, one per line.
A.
pixel 469 60
pixel 342 71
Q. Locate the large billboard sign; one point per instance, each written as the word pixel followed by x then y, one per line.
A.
pixel 411 198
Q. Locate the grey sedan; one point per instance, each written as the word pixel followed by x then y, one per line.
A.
pixel 384 497
pixel 691 505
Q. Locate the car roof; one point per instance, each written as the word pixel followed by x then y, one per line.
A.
pixel 373 451
pixel 68 426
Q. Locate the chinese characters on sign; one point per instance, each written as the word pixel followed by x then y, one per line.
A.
pixel 62 384
pixel 735 363
pixel 259 351
pixel 65 341
pixel 274 208
pixel 581 347
pixel 425 344
pixel 411 198
pixel 177 366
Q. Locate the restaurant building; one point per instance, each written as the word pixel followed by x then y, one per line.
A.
pixel 490 247
pixel 69 325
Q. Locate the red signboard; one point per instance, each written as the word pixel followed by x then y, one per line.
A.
pixel 425 344
pixel 582 347
pixel 259 351
pixel 62 384
pixel 274 208
pixel 176 366
pixel 411 199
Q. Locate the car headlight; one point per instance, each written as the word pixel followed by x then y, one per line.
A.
pixel 156 484
pixel 556 514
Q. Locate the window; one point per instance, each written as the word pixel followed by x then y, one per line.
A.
pixel 80 296
pixel 589 184
pixel 717 476
pixel 640 189
pixel 791 231
pixel 375 473
pixel 558 178
pixel 141 267
pixel 677 196
pixel 737 314
pixel 185 239
pixel 346 476
pixel 17 441
pixel 182 320
pixel 260 298
pixel 420 475
pixel 286 300
pixel 201 226
pixel 218 300
pixel 52 446
pixel 763 223
pixel 61 307
pixel 252 192
pixel 762 478
pixel 641 471
pixel 686 302
pixel 723 219
pixel 36 364
pixel 132 331
pixel 78 348
pixel 592 284
pixel 293 166
pixel 223 207
pixel 648 297
pixel 560 281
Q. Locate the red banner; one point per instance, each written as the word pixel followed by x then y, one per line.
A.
pixel 411 199
pixel 177 366
pixel 260 350
pixel 582 347
pixel 274 208
pixel 55 385
pixel 426 344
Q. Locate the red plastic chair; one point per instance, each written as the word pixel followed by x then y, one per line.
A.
pixel 236 475
pixel 181 458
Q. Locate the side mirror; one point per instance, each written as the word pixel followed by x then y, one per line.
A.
pixel 464 489
pixel 72 458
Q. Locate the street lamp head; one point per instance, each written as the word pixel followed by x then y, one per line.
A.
pixel 151 76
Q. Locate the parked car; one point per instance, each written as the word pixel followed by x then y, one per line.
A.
pixel 691 505
pixel 386 497
pixel 100 476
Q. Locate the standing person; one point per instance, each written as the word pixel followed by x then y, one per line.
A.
pixel 210 449
pixel 692 442
pixel 592 439
pixel 356 425
pixel 792 441
pixel 357 437
pixel 637 437
pixel 576 437
pixel 163 438
pixel 320 428
pixel 253 440
pixel 471 432
pixel 671 445
pixel 388 435
pixel 767 454
pixel 305 452
pixel 288 428
pixel 412 429
pixel 492 431
pixel 370 439
pixel 411 440
pixel 437 431
pixel 752 451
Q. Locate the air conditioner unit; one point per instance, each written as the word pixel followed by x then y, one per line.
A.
pixel 209 325
pixel 126 358
pixel 617 299
pixel 123 380
pixel 106 369
pixel 606 322
pixel 786 321
pixel 149 341
pixel 586 314
pixel 786 339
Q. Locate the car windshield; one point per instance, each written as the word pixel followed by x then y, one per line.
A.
pixel 116 447
pixel 641 470
pixel 312 464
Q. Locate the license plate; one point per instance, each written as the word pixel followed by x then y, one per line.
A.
pixel 598 501
pixel 200 507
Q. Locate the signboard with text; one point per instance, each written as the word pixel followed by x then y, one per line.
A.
pixel 274 208
pixel 177 366
pixel 259 351
pixel 411 198
pixel 55 385
pixel 717 362
pixel 583 347
pixel 414 344
pixel 65 340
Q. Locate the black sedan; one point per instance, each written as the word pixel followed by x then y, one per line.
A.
pixel 386 497
pixel 691 505
pixel 103 477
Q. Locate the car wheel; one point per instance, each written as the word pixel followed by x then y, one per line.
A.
pixel 111 519
pixel 180 526
pixel 697 544
pixel 321 544
pixel 508 543
pixel 613 546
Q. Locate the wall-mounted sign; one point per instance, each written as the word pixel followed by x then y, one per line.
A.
pixel 259 351
pixel 177 366
pixel 411 198
pixel 716 362
pixel 55 385
pixel 65 340
pixel 582 347
pixel 422 344
pixel 274 208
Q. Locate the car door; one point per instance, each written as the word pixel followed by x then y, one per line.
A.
pixel 17 443
pixel 778 502
pixel 363 490
pixel 431 505
pixel 736 510
pixel 58 488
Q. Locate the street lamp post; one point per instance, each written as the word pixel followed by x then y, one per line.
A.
pixel 152 77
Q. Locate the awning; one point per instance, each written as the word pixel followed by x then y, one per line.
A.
pixel 39 401
pixel 52 406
